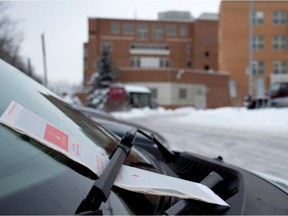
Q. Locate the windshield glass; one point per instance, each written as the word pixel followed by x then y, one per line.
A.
pixel 22 160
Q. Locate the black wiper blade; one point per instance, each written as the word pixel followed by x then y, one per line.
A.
pixel 101 189
pixel 168 155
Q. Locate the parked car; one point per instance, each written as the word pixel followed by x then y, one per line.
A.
pixel 278 93
pixel 276 96
pixel 36 178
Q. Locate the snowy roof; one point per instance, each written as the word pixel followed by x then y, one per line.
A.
pixel 208 16
pixel 135 88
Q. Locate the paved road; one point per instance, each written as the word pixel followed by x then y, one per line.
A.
pixel 254 150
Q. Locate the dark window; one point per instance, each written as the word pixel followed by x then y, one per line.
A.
pixel 142 32
pixel 258 67
pixel 279 42
pixel 154 92
pixel 207 54
pixel 128 28
pixel 106 46
pixel 135 62
pixel 258 42
pixel 280 17
pixel 206 67
pixel 115 28
pixel 182 93
pixel 171 30
pixel 184 31
pixel 279 67
pixel 157 32
pixel 164 62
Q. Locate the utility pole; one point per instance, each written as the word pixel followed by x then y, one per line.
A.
pixel 44 61
pixel 251 50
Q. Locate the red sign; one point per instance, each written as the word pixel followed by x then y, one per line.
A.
pixel 56 137
pixel 116 93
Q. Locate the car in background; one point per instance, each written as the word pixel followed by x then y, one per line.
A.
pixel 36 179
pixel 278 93
pixel 276 96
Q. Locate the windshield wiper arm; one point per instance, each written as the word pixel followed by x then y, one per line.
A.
pixel 183 205
pixel 168 155
pixel 101 189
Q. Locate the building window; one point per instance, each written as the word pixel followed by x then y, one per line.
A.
pixel 157 32
pixel 128 28
pixel 154 93
pixel 279 67
pixel 279 42
pixel 85 65
pixel 115 28
pixel 142 32
pixel 189 63
pixel 171 30
pixel 258 67
pixel 106 46
pixel 135 62
pixel 150 46
pixel 258 17
pixel 258 42
pixel 182 93
pixel 183 31
pixel 164 62
pixel 280 17
pixel 206 67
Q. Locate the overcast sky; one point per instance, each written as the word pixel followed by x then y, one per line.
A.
pixel 64 24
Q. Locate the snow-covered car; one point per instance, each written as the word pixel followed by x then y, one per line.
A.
pixel 55 160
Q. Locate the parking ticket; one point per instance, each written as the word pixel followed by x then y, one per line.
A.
pixel 26 122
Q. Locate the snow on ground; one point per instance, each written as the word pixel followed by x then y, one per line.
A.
pixel 251 139
pixel 265 120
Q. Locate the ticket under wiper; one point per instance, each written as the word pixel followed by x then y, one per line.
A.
pixel 27 122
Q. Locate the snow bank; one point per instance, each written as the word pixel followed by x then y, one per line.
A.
pixel 147 112
pixel 269 119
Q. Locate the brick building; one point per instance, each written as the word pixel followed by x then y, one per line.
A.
pixel 270 53
pixel 177 58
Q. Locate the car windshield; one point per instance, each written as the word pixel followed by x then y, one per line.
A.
pixel 22 159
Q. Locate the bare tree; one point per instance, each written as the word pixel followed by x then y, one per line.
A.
pixel 10 40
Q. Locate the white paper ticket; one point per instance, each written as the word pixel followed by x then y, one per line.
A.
pixel 26 122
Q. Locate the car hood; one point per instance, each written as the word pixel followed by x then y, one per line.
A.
pixel 279 182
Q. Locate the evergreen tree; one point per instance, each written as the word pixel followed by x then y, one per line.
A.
pixel 101 80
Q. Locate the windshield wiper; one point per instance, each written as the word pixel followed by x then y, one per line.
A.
pixel 101 189
pixel 184 205
pixel 168 155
